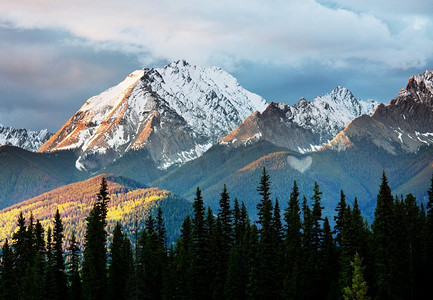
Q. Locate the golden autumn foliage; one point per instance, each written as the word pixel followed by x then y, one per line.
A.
pixel 75 201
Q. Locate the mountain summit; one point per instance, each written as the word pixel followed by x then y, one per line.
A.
pixel 402 126
pixel 174 113
pixel 304 126
pixel 23 138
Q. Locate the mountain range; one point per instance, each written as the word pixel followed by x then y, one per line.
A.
pixel 23 138
pixel 182 126
pixel 305 126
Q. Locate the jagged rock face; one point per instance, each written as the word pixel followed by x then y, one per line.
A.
pixel 404 125
pixel 304 126
pixel 23 138
pixel 175 113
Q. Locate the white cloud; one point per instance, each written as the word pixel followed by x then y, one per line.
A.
pixel 226 32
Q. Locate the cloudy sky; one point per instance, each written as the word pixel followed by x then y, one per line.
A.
pixel 54 54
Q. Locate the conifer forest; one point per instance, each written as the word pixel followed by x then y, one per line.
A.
pixel 297 253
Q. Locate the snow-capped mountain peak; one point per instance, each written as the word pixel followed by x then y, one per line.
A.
pixel 23 138
pixel 329 114
pixel 404 125
pixel 176 113
pixel 304 126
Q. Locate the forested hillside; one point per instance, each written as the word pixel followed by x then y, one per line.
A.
pixel 289 254
pixel 129 200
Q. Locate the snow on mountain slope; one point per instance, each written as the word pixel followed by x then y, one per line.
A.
pixel 329 114
pixel 23 138
pixel 175 113
pixel 304 126
pixel 402 126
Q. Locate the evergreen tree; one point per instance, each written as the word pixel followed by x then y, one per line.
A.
pixel 264 192
pixel 276 222
pixel 235 282
pixel 200 278
pixel 239 262
pixel 183 262
pixel 384 235
pixel 59 262
pixel 293 245
pixel 22 255
pixel 8 288
pixel 50 280
pixel 347 248
pixel 316 240
pixel 226 219
pixel 316 215
pixel 358 289
pixel 424 265
pixel 253 269
pixel 118 269
pixel 73 269
pixel 339 218
pixel 429 234
pixel 329 264
pixel 160 229
pixel 131 278
pixel 307 270
pixel 217 259
pixel 267 275
pixel 151 261
pixel 95 251
pixel 237 226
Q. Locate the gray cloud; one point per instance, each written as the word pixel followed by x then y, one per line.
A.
pixel 227 31
pixel 54 55
pixel 44 80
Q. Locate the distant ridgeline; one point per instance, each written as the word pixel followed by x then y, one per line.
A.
pixel 289 254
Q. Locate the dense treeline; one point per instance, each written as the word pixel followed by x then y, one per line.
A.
pixel 290 254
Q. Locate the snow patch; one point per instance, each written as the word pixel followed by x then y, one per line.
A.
pixel 79 165
pixel 302 164
pixel 23 138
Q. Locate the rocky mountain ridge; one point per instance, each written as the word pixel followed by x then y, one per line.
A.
pixel 23 138
pixel 402 126
pixel 304 126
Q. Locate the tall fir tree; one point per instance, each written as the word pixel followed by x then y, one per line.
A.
pixel 200 274
pixel 253 287
pixel 59 261
pixel 267 276
pixel 8 287
pixel 225 215
pixel 276 222
pixel 293 245
pixel 118 268
pixel 50 280
pixel 95 251
pixel 339 217
pixel 73 274
pixel 183 262
pixel 384 235
pixel 329 264
pixel 429 233
pixel 316 214
pixel 22 254
pixel 264 191
pixel 358 288
pixel 151 260
pixel 307 268
pixel 237 225
pixel 160 229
